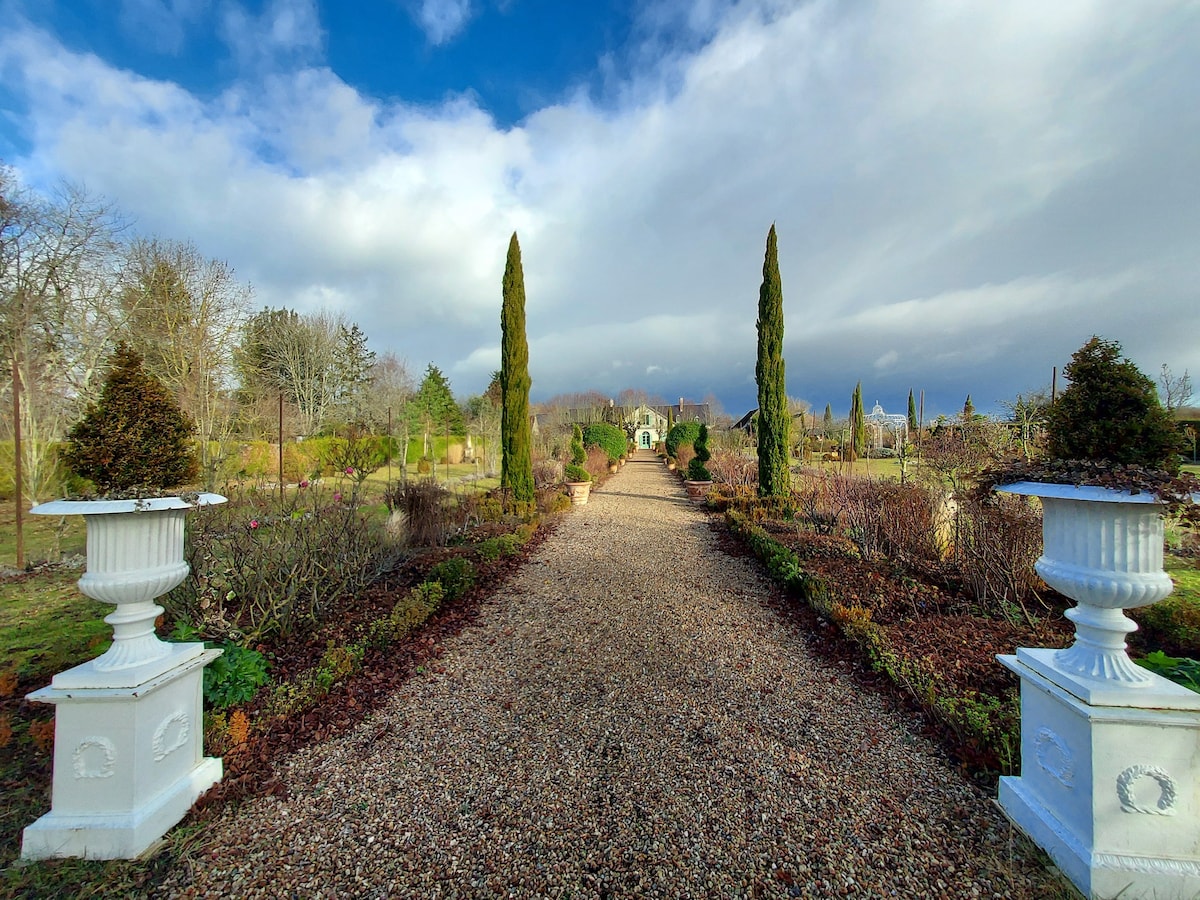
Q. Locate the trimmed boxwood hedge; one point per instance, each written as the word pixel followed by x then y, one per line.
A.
pixel 608 438
pixel 682 433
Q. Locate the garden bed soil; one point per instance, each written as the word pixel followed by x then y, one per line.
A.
pixel 926 616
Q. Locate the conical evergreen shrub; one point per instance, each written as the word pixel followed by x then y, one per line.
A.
pixel 134 440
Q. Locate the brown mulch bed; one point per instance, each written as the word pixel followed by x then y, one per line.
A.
pixel 931 617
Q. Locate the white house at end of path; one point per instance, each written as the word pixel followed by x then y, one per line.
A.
pixel 649 426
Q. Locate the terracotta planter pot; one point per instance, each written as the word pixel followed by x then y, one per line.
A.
pixel 697 490
pixel 578 491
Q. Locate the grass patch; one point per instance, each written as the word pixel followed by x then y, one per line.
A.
pixel 46 625
pixel 1186 577
pixel 1173 624
pixel 46 538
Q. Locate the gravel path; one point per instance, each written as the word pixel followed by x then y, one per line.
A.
pixel 627 719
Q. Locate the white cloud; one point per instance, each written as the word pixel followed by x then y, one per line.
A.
pixel 442 20
pixel 964 193
pixel 160 24
pixel 286 30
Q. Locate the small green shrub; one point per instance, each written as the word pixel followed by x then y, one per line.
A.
pixel 697 471
pixel 510 544
pixel 426 597
pixel 1178 669
pixel 682 433
pixel 578 454
pixel 456 576
pixel 572 472
pixel 235 676
pixel 488 551
pixel 701 445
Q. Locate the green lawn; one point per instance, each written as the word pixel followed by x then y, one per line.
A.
pixel 47 538
pixel 47 625
pixel 1186 577
pixel 874 468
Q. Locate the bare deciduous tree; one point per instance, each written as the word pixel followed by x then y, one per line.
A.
pixel 185 314
pixel 59 272
pixel 1027 412
pixel 1175 390
pixel 296 355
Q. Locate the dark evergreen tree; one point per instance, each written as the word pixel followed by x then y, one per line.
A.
pixel 1110 412
pixel 134 436
pixel 434 405
pixel 913 424
pixel 516 460
pixel 827 421
pixel 968 413
pixel 355 366
pixel 858 423
pixel 774 420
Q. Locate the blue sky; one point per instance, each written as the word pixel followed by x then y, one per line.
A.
pixel 964 192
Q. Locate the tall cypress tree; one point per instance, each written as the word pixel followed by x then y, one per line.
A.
pixel 858 424
pixel 827 422
pixel 912 413
pixel 774 479
pixel 516 461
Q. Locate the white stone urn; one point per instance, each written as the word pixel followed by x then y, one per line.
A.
pixel 128 726
pixel 1109 784
pixel 134 554
pixel 1102 548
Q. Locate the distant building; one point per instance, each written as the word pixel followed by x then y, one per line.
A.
pixel 649 426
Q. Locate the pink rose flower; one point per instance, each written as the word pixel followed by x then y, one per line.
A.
pixel 254 523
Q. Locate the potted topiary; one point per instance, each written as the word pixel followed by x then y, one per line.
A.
pixel 1110 471
pixel 1108 761
pixel 132 444
pixel 577 479
pixel 699 480
pixel 128 726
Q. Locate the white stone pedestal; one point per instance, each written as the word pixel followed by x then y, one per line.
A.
pixel 128 760
pixel 1108 783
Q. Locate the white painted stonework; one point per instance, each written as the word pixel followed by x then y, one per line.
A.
pixel 1109 751
pixel 128 725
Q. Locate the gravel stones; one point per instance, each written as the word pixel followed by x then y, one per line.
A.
pixel 626 719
